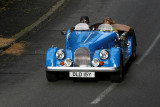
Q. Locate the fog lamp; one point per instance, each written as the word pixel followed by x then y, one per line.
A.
pixel 95 62
pixel 67 62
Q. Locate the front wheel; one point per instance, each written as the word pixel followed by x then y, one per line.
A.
pixel 118 76
pixel 52 76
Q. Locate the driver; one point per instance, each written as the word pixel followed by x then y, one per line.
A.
pixel 83 25
pixel 84 19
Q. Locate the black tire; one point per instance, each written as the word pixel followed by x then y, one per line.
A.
pixel 118 76
pixel 52 76
pixel 133 56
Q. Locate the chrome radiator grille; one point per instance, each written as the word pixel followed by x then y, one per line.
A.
pixel 81 57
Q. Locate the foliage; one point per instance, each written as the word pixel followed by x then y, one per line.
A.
pixel 6 2
pixel 2 2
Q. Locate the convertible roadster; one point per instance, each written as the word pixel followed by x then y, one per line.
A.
pixel 88 52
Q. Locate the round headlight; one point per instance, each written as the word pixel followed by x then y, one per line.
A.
pixel 67 62
pixel 60 54
pixel 95 62
pixel 103 54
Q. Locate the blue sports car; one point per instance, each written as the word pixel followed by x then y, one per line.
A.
pixel 88 52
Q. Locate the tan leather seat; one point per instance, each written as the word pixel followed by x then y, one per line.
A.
pixel 121 27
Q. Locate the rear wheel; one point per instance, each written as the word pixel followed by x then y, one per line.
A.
pixel 118 76
pixel 133 57
pixel 52 76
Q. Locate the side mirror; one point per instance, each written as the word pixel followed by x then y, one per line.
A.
pixel 63 32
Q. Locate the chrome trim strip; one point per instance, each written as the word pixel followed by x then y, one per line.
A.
pixel 88 37
pixel 85 69
pixel 68 35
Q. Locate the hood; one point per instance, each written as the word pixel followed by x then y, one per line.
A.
pixel 92 40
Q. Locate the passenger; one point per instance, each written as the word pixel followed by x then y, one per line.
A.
pixel 107 25
pixel 83 25
pixel 108 20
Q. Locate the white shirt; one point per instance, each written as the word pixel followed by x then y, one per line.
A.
pixel 82 26
pixel 105 27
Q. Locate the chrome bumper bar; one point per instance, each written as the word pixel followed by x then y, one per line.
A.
pixel 84 69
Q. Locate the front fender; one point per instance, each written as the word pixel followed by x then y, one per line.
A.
pixel 114 57
pixel 52 61
pixel 51 57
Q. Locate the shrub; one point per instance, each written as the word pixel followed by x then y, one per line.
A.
pixel 2 2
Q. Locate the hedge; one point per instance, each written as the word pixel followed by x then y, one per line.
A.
pixel 2 2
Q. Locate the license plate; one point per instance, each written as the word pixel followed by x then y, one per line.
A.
pixel 82 74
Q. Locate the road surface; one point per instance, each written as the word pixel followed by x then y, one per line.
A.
pixel 22 78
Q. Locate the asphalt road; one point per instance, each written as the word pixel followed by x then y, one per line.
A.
pixel 22 78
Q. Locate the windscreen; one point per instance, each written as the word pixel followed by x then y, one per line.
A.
pixel 78 36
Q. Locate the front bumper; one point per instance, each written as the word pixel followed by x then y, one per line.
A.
pixel 84 69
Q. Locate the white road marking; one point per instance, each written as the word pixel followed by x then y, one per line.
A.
pixel 148 50
pixel 104 93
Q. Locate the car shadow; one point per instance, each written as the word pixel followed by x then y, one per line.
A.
pixel 98 77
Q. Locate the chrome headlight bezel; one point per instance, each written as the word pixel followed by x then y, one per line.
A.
pixel 95 62
pixel 60 54
pixel 103 54
pixel 68 62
